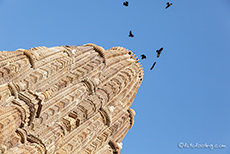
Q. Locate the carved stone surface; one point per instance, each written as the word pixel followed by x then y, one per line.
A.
pixel 67 99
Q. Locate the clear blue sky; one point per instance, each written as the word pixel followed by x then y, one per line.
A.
pixel 185 98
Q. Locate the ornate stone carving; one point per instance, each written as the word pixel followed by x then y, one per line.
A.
pixel 67 99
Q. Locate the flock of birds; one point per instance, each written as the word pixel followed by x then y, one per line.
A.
pixel 126 3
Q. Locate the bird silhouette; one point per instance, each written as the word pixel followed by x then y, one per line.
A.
pixel 126 3
pixel 168 5
pixel 159 52
pixel 130 34
pixel 153 65
pixel 143 56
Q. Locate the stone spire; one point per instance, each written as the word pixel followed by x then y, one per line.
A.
pixel 67 99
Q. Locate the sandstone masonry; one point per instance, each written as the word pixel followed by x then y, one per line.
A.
pixel 67 99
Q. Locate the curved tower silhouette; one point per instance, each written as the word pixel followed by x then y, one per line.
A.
pixel 67 99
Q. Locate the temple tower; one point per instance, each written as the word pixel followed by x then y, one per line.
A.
pixel 67 99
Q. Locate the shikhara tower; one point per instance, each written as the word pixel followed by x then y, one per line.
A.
pixel 67 99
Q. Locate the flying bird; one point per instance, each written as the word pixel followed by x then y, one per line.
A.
pixel 130 34
pixel 153 65
pixel 143 56
pixel 168 5
pixel 159 52
pixel 126 3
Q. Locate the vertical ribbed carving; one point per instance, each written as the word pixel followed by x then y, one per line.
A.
pixel 10 120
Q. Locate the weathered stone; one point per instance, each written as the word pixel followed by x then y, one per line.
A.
pixel 67 99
